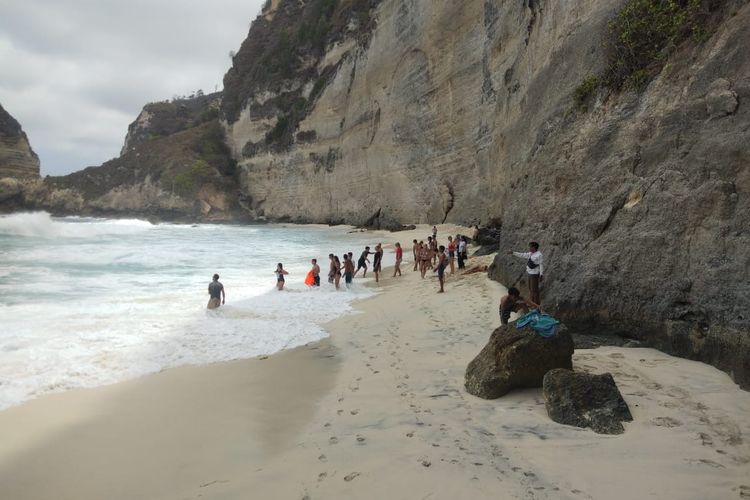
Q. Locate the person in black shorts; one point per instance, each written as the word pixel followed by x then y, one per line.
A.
pixel 216 293
pixel 440 268
pixel 362 262
pixel 348 269
pixel 377 261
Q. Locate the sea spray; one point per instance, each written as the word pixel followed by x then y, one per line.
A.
pixel 87 302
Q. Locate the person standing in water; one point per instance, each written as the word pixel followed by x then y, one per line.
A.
pixel 362 262
pixel 348 269
pixel 216 293
pixel 280 272
pixel 399 257
pixel 377 261
pixel 440 268
pixel 315 272
pixel 331 268
pixel 534 269
pixel 415 252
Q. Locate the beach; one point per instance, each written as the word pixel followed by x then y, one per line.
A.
pixel 378 410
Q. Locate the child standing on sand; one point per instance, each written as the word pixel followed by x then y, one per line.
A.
pixel 399 256
pixel 280 272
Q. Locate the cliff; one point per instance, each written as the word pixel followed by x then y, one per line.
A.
pixel 17 159
pixel 629 162
pixel 174 165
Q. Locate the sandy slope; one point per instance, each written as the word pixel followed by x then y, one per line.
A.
pixel 379 411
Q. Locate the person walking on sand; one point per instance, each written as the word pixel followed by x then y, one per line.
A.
pixel 440 268
pixel 399 257
pixel 280 272
pixel 534 269
pixel 514 302
pixel 432 243
pixel 348 269
pixel 377 261
pixel 362 262
pixel 415 251
pixel 424 258
pixel 216 293
pixel 451 253
pixel 315 272
pixel 434 233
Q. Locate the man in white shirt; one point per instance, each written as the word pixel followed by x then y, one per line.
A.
pixel 534 269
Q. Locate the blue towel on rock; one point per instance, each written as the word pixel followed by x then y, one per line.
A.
pixel 543 324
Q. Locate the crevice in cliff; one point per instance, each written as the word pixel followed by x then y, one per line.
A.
pixel 448 202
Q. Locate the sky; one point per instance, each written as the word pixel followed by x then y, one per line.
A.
pixel 76 73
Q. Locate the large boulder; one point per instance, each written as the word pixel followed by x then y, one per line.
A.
pixel 517 358
pixel 585 400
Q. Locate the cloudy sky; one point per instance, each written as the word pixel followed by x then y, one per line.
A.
pixel 75 73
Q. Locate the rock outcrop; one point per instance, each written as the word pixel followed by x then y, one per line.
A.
pixel 464 111
pixel 175 165
pixel 516 358
pixel 17 159
pixel 585 400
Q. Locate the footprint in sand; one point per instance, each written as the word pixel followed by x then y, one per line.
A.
pixel 360 439
pixel 351 476
pixel 354 412
pixel 665 422
pixel 333 440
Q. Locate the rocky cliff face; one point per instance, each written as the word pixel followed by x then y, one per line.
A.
pixel 464 111
pixel 174 166
pixel 17 159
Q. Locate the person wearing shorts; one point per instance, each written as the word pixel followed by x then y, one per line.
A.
pixel 440 268
pixel 348 270
pixel 216 293
pixel 362 262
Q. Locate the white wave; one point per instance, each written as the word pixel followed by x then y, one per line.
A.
pixel 88 310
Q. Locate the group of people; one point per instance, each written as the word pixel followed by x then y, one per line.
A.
pixel 428 255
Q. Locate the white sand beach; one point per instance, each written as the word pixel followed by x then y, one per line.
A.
pixel 378 410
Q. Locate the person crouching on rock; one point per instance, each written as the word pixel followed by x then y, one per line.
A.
pixel 216 293
pixel 514 302
pixel 280 272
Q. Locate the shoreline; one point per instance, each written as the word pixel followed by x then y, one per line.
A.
pixel 378 409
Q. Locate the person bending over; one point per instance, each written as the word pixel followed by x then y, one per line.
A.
pixel 514 302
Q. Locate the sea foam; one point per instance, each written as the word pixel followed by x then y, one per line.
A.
pixel 87 302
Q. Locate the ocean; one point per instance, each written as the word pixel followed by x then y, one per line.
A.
pixel 87 302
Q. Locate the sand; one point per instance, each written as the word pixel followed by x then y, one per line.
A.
pixel 377 411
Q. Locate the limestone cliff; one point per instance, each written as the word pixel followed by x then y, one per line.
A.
pixel 17 159
pixel 481 110
pixel 174 166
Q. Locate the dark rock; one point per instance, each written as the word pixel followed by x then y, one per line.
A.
pixel 516 358
pixel 585 400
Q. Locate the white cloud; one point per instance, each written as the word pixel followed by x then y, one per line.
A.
pixel 75 73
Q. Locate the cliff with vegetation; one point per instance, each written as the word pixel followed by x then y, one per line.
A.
pixel 174 165
pixel 17 159
pixel 612 131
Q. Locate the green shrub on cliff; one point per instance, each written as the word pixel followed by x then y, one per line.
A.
pixel 585 90
pixel 644 33
pixel 187 182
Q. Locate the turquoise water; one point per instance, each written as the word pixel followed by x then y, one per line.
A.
pixel 87 302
